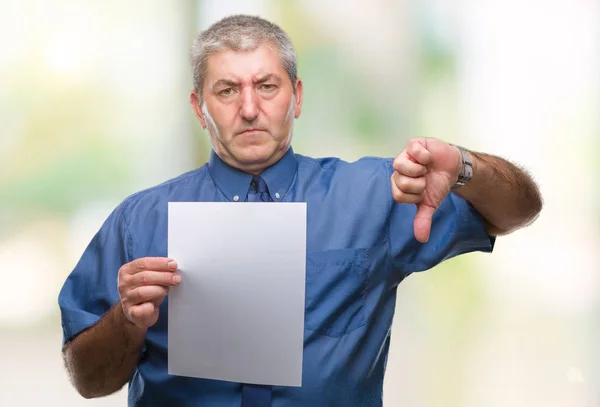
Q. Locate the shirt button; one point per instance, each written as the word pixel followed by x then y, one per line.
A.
pixel 277 195
pixel 236 198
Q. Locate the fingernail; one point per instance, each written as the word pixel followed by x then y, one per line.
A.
pixel 172 265
pixel 176 278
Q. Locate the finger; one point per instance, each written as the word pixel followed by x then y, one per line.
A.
pixel 406 198
pixel 142 311
pixel 151 263
pixel 152 277
pixel 410 185
pixel 146 293
pixel 160 300
pixel 422 223
pixel 405 166
pixel 417 152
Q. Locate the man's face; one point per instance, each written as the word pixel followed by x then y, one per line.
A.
pixel 249 107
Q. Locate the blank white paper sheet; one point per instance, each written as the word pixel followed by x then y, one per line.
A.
pixel 238 314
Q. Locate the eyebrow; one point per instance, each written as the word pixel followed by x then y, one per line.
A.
pixel 267 78
pixel 225 82
pixel 232 83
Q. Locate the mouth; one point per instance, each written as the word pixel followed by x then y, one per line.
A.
pixel 249 132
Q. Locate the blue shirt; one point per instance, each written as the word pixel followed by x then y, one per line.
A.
pixel 360 246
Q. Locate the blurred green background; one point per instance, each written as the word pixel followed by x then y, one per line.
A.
pixel 94 107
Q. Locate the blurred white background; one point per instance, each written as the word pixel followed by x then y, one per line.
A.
pixel 93 107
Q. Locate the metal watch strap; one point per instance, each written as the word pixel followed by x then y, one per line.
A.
pixel 466 172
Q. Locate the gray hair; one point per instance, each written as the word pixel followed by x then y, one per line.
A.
pixel 240 33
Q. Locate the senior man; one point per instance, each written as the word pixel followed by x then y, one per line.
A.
pixel 370 224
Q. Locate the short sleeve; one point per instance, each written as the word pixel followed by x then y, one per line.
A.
pixel 457 228
pixel 90 290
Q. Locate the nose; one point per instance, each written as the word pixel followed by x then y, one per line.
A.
pixel 249 109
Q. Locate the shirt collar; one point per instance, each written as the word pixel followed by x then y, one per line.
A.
pixel 234 183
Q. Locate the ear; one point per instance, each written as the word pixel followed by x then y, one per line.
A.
pixel 196 106
pixel 299 90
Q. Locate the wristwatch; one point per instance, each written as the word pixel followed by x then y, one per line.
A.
pixel 466 172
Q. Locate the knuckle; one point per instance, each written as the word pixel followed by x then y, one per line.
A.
pixel 404 183
pixel 143 278
pixel 123 272
pixel 122 284
pixel 134 312
pixel 121 288
pixel 401 165
pixel 397 195
pixel 129 313
pixel 138 294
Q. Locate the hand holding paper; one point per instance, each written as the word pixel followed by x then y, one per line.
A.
pixel 143 285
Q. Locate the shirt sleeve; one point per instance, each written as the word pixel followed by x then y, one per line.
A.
pixel 457 228
pixel 90 290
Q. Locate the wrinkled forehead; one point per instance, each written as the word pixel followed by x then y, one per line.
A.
pixel 244 66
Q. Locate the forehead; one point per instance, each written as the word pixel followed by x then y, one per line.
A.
pixel 242 65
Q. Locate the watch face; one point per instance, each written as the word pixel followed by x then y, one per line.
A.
pixel 468 171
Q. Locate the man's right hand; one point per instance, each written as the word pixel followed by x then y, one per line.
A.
pixel 143 285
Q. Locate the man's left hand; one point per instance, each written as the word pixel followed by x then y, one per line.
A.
pixel 423 175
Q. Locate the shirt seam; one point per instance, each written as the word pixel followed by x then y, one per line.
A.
pixel 395 265
pixel 136 197
pixel 184 178
pixel 310 162
pixel 128 237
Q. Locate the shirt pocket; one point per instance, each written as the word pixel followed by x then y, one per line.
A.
pixel 336 284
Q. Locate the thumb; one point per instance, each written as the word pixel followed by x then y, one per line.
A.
pixel 423 220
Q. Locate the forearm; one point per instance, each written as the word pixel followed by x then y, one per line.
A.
pixel 502 193
pixel 103 358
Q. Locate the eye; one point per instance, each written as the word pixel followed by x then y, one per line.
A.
pixel 268 87
pixel 226 92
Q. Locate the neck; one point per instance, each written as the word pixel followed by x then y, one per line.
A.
pixel 254 168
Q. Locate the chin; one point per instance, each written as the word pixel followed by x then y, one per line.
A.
pixel 258 155
pixel 255 154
